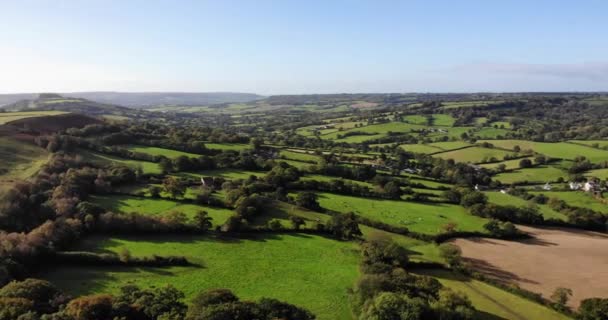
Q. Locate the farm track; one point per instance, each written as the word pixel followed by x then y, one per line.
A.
pixel 505 308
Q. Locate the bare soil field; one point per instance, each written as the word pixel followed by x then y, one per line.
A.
pixel 555 257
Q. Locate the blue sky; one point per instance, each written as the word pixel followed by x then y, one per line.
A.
pixel 280 47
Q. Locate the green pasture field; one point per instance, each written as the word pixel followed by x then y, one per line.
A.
pixel 414 178
pixel 491 133
pixel 473 154
pixel 465 104
pixel 505 124
pixel 151 206
pixel 439 119
pixel 298 164
pixel 307 270
pixel 443 120
pixel 598 173
pixel 576 199
pixel 230 174
pixel 450 145
pixel 421 148
pixel 435 193
pixel 480 120
pixel 418 250
pixel 227 146
pixel 507 199
pixel 419 217
pixel 435 147
pixel 510 164
pixel 104 159
pixel 491 302
pixel 380 129
pixel 563 150
pixel 20 160
pixel 299 156
pixel 319 177
pixel 539 174
pixel 602 144
pixel 154 151
pixel 6 117
pixel 453 133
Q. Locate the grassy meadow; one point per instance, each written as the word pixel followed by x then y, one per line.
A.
pixel 20 160
pixel 562 150
pixel 307 270
pixel 503 199
pixel 154 151
pixel 473 154
pixel 6 117
pixel 105 159
pixel 151 206
pixel 419 217
pixel 539 174
pixel 576 199
pixel 491 302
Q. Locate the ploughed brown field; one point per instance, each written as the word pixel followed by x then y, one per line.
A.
pixel 554 258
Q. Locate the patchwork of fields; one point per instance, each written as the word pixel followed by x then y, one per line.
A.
pixel 562 150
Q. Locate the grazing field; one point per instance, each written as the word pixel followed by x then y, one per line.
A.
pixel 577 199
pixel 603 144
pixel 445 120
pixel 378 130
pixel 540 174
pixel 507 199
pixel 154 151
pixel 553 258
pixel 227 146
pixel 309 271
pixel 467 104
pixel 299 156
pixel 319 177
pixel 450 145
pixel 598 173
pixel 509 164
pixel 491 133
pixel 420 148
pixel 501 124
pixel 417 250
pixel 418 217
pixel 563 150
pixel 105 159
pixel 298 164
pixel 151 206
pixel 223 173
pixel 6 117
pixel 20 160
pixel 491 302
pixel 473 154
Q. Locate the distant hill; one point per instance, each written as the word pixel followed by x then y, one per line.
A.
pixel 51 101
pixel 146 99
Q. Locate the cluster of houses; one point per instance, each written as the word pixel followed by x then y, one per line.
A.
pixel 589 186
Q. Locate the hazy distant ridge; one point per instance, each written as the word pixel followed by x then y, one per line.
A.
pixel 144 99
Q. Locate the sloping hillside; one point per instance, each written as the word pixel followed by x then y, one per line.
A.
pixel 52 123
pixel 47 102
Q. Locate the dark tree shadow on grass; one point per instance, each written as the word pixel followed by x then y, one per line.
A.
pixel 496 273
pixel 482 315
